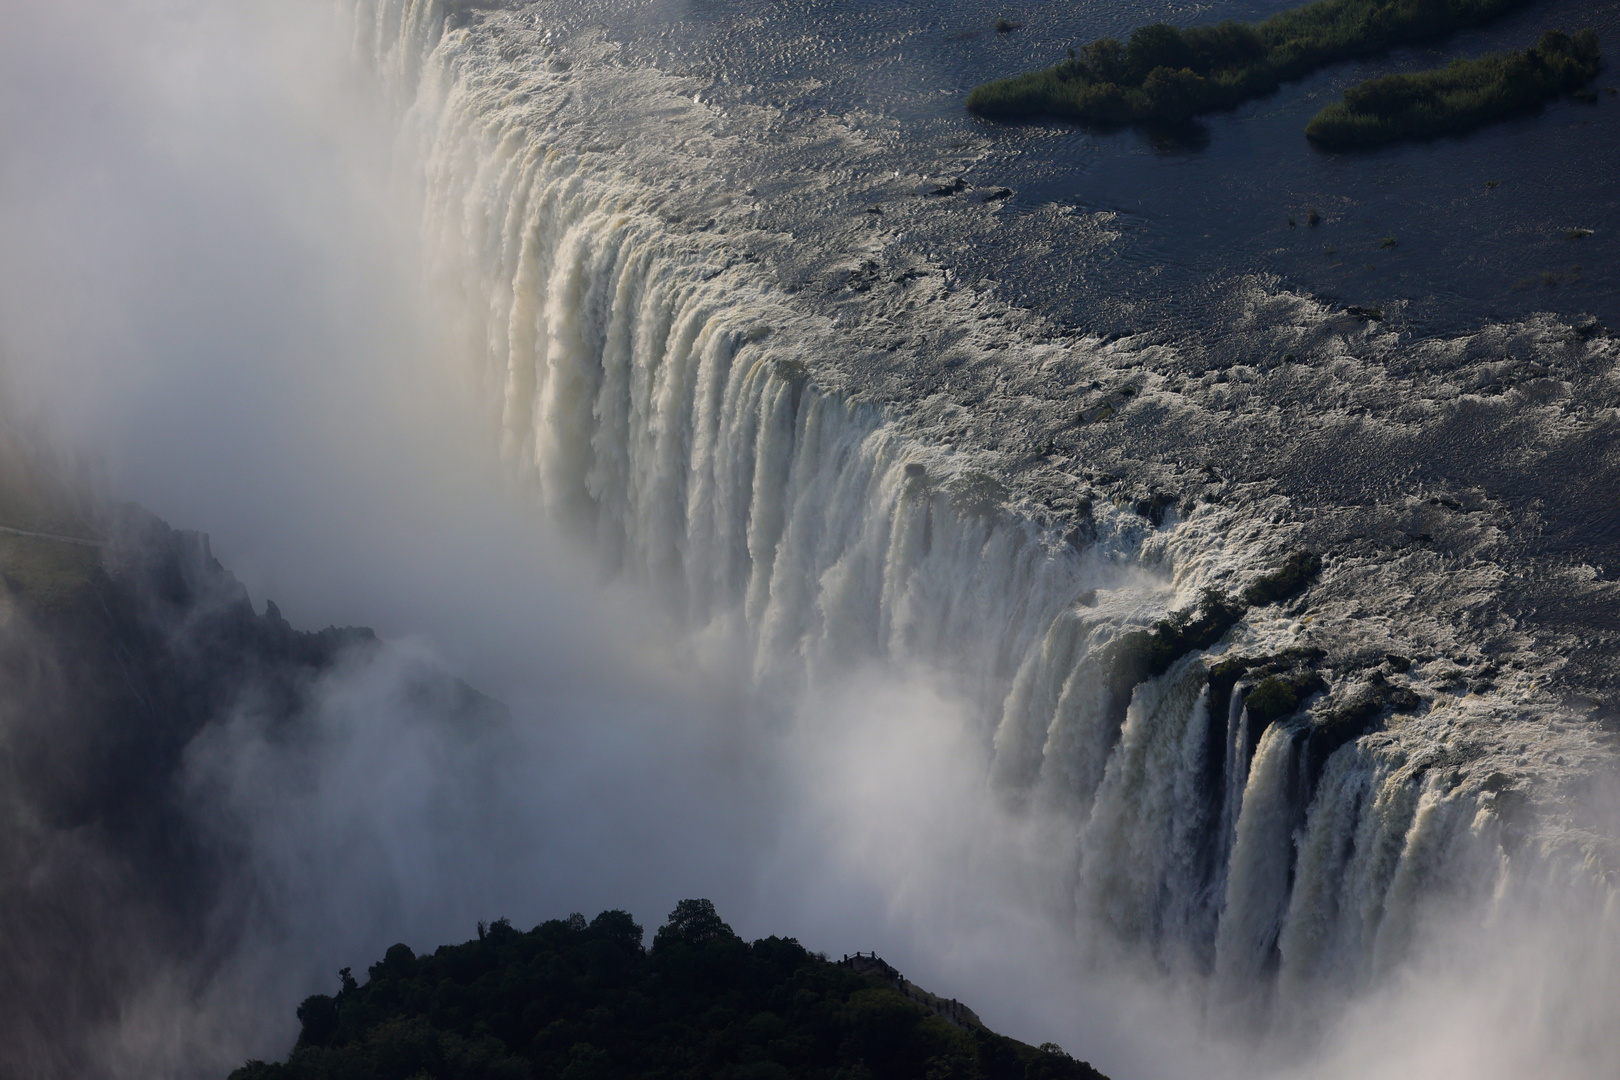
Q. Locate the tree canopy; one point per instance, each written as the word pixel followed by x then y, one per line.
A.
pixel 573 1000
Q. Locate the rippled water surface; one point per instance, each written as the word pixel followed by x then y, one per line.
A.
pixel 1483 225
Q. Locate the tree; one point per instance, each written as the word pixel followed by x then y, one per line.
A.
pixel 1157 46
pixel 693 921
pixel 318 1017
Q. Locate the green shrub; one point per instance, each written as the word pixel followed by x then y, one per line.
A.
pixel 1205 68
pixel 1460 97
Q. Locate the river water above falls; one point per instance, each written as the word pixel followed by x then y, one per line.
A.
pixel 1208 202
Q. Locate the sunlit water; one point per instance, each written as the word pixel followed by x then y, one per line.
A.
pixel 1211 200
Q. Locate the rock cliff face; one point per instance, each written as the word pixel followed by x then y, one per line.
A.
pixel 121 639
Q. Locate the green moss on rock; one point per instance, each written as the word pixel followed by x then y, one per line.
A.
pixel 1193 628
pixel 1272 699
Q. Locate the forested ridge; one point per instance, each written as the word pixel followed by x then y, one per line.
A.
pixel 577 1000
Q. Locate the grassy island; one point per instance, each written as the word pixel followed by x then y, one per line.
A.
pixel 577 1000
pixel 1167 74
pixel 1460 97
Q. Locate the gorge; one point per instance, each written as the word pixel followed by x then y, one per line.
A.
pixel 1276 637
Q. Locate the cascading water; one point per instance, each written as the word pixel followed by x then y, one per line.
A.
pixel 741 450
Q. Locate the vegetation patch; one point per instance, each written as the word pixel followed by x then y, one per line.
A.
pixel 1271 699
pixel 1166 74
pixel 1361 713
pixel 48 574
pixel 573 1000
pixel 1296 666
pixel 1203 625
pixel 1460 97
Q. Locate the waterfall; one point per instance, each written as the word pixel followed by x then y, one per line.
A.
pixel 1261 864
pixel 1142 846
pixel 669 401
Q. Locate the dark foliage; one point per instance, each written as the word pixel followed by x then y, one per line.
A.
pixel 1295 667
pixel 1377 697
pixel 1460 97
pixel 1166 74
pixel 577 1001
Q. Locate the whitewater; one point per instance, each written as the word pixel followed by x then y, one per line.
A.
pixel 721 338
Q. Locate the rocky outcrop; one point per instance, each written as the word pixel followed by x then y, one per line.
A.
pixel 115 655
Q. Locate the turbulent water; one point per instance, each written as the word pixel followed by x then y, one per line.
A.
pixel 727 332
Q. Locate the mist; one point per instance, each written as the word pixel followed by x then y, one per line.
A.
pixel 213 289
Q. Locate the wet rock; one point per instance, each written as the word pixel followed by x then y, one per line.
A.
pixel 1293 578
pixel 1296 666
pixel 1154 506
